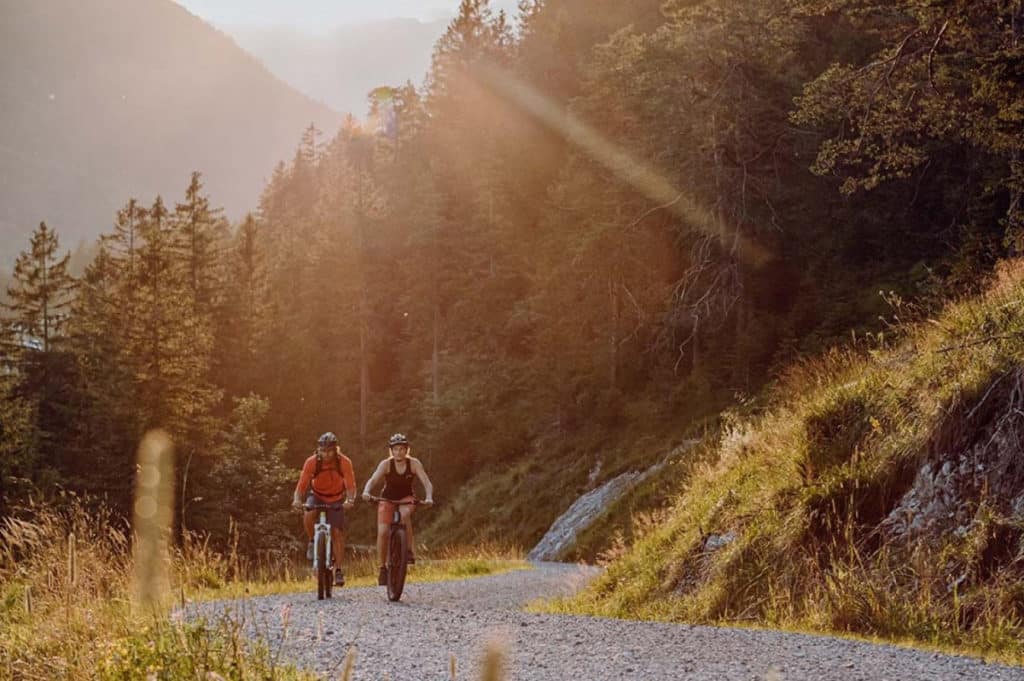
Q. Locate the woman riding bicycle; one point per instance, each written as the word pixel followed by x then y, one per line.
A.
pixel 327 477
pixel 397 471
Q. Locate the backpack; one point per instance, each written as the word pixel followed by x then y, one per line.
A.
pixel 320 464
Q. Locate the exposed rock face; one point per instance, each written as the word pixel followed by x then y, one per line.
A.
pixel 589 507
pixel 583 512
pixel 948 487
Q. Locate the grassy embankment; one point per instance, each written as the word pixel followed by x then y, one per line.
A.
pixel 805 484
pixel 67 608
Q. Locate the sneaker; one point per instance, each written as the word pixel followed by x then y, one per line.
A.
pixel 412 558
pixel 339 577
pixel 309 551
pixel 382 576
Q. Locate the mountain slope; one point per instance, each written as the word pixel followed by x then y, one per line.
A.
pixel 106 99
pixel 882 493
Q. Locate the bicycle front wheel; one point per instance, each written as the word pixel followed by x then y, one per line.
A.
pixel 397 555
pixel 323 575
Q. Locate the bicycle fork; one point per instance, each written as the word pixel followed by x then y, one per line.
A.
pixel 322 532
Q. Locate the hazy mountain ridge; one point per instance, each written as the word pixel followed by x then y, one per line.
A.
pixel 343 65
pixel 106 99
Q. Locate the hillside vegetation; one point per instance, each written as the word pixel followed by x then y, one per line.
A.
pixel 880 492
pixel 597 229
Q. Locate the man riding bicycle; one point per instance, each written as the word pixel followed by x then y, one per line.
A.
pixel 326 478
pixel 397 471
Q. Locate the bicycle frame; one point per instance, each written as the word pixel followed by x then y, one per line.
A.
pixel 322 541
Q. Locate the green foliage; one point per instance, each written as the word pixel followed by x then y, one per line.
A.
pixel 942 92
pixel 249 486
pixel 18 445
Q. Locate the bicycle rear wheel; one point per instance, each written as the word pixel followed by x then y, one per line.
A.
pixel 397 555
pixel 323 575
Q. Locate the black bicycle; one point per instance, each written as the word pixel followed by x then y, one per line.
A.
pixel 398 549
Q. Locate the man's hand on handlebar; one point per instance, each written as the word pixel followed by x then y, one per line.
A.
pixel 349 503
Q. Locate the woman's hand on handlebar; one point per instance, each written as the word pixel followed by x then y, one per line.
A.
pixel 367 496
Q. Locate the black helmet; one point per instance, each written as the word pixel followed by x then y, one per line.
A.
pixel 328 439
pixel 397 439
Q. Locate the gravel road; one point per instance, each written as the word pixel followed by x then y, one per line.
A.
pixel 414 639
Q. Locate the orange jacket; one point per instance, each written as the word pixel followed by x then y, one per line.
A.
pixel 334 478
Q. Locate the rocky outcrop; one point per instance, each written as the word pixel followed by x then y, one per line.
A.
pixel 589 507
pixel 989 468
pixel 580 515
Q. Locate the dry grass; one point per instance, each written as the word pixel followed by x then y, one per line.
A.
pixel 67 594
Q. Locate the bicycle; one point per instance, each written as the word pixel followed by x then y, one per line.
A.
pixel 398 549
pixel 323 555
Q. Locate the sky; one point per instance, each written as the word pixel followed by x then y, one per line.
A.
pixel 316 15
pixel 337 50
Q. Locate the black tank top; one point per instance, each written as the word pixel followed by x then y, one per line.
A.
pixel 398 485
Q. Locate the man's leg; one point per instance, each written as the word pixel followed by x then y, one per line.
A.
pixel 308 520
pixel 338 542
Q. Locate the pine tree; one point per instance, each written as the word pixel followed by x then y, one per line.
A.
pixel 199 228
pixel 169 347
pixel 42 290
pixel 106 427
pixel 241 324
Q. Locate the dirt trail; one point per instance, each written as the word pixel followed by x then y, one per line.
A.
pixel 414 639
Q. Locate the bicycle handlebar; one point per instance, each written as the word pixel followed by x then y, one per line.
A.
pixel 414 502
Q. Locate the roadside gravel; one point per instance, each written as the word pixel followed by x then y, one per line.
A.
pixel 415 639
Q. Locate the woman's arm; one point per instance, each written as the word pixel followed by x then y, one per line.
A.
pixel 374 479
pixel 421 473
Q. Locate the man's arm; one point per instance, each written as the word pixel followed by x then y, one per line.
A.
pixel 374 479
pixel 304 479
pixel 350 481
pixel 421 473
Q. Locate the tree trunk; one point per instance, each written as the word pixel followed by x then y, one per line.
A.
pixel 613 349
pixel 435 363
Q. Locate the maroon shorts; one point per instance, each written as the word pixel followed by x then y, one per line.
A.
pixel 386 510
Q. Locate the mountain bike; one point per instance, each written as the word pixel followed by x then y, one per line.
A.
pixel 323 556
pixel 398 549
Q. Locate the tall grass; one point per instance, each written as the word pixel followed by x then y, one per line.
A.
pixel 68 580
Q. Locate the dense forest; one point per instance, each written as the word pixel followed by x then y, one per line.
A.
pixel 596 225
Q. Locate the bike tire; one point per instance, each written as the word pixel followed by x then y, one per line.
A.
pixel 323 575
pixel 397 556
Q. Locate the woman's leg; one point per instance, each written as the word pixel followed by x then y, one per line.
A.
pixel 382 542
pixel 406 512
